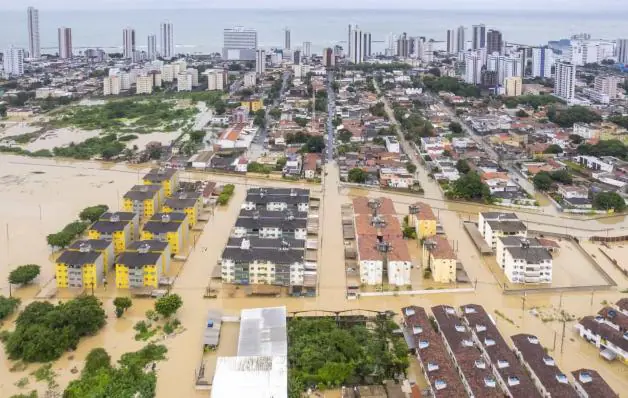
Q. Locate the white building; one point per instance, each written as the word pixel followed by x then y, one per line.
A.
pixel 622 51
pixel 479 36
pixel 584 130
pixel 513 86
pixel 34 49
pixel 260 62
pixel 144 85
pixel 612 343
pixel 493 225
pixel 239 44
pixel 356 48
pixel 371 264
pixel 65 42
pixel 111 85
pixel 392 144
pixel 194 73
pixel 152 47
pixel 166 40
pixel 565 81
pixel 542 61
pixel 594 163
pixel 13 61
pixel 524 260
pixel 451 41
pixel 128 43
pixel 167 73
pixel 607 85
pixel 473 68
pixel 596 96
pixel 125 81
pixel 582 52
pixel 460 42
pixel 250 79
pixel 184 81
pixel 215 79
pixel 307 48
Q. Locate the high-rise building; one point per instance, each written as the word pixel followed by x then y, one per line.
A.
pixel 607 85
pixel 513 86
pixel 350 31
pixel 184 81
pixel 95 55
pixel 111 85
pixel 451 41
pixel 357 48
pixel 144 84
pixel 296 57
pixel 166 40
pixel 403 46
pixel 366 43
pixel 542 61
pixel 582 52
pixel 239 44
pixel 65 42
pixel 216 79
pixel 460 42
pixel 14 61
pixel 128 43
pixel 307 48
pixel 473 67
pixel 260 62
pixel 494 42
pixel 622 51
pixel 565 81
pixel 152 47
pixel 329 59
pixel 34 49
pixel 479 37
pixel 286 42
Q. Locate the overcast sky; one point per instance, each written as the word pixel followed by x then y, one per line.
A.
pixel 479 5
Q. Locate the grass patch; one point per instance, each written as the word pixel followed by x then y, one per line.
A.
pixel 23 382
pixel 144 331
pixel 504 317
pixel 45 373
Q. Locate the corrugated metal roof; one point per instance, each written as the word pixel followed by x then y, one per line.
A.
pixel 263 332
pixel 246 376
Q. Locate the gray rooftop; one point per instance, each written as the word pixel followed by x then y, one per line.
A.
pixel 516 241
pixel 289 256
pixel 261 243
pixel 532 255
pixel 507 226
pixel 71 257
pixel 263 332
pixel 494 215
pixel 135 259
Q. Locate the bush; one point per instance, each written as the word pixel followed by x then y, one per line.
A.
pixel 8 305
pixel 608 201
pixel 93 213
pixel 122 304
pixel 24 274
pixel 357 175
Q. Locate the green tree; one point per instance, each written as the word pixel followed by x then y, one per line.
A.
pixel 562 176
pixel 93 213
pixel 542 181
pixel 463 166
pixel 470 187
pixel 24 274
pixel 275 113
pixel 455 127
pixel 197 136
pixel 411 167
pixel 521 113
pixel 260 117
pixel 122 304
pixel 301 121
pixel 344 136
pixel 575 139
pixel 8 305
pixel 608 201
pixel 168 305
pixel 314 144
pixel 573 114
pixel 553 149
pixel 97 359
pixel 60 239
pixel 357 175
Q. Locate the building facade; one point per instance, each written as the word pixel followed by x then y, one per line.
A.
pixel 166 40
pixel 65 42
pixel 494 42
pixel 239 44
pixel 479 37
pixel 542 62
pixel 565 81
pixel 13 62
pixel 622 51
pixel 260 62
pixel 111 85
pixel 128 43
pixel 34 48
pixel 152 47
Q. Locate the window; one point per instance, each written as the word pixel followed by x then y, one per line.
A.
pixel 424 343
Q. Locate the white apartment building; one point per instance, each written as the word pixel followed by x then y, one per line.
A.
pixel 260 62
pixel 34 49
pixel 111 85
pixel 392 144
pixel 65 42
pixel 584 130
pixel 612 343
pixel 371 264
pixel 144 85
pixel 215 79
pixel 513 86
pixel 542 62
pixel 239 44
pixel 526 264
pixel 622 51
pixel 250 79
pixel 565 81
pixel 194 73
pixel 152 47
pixel 356 54
pixel 307 48
pixel 594 163
pixel 167 73
pixel 504 242
pixel 13 61
pixel 128 43
pixel 473 68
pixel 125 81
pixel 166 40
pixel 301 70
pixel 596 96
pixel 607 85
pixel 582 52
pixel 493 225
pixel 460 42
pixel 184 81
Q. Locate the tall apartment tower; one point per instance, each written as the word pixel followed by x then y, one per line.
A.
pixel 494 43
pixel 622 51
pixel 542 61
pixel 239 44
pixel 473 67
pixel 13 61
pixel 152 47
pixel 366 44
pixel 34 49
pixel 65 42
pixel 307 48
pixel 357 55
pixel 565 81
pixel 128 43
pixel 260 62
pixel 166 40
pixel 479 37
pixel 460 42
pixel 286 42
pixel 451 41
pixel 349 55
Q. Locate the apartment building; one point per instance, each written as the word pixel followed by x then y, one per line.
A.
pixel 115 229
pixel 565 81
pixel 286 226
pixel 131 217
pixel 138 269
pixel 249 80
pixel 142 200
pixel 525 264
pixel 190 203
pixel 498 356
pixel 549 380
pixel 79 268
pixel 168 227
pixel 184 81
pixel 589 384
pixel 167 178
pixel 277 199
pixel 423 219
pixel 612 343
pixel 144 85
pixel 153 246
pixel 494 224
pixel 431 353
pixel 97 245
pixel 216 79
pixel 477 378
pixel 111 85
pixel 167 73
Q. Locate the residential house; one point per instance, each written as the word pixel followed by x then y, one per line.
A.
pixel 115 229
pixel 525 264
pixel 612 343
pixel 311 162
pixel 274 199
pixel 143 201
pixel 494 224
pixel 589 384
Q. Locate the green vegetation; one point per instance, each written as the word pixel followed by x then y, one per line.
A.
pixel 275 113
pixel 144 330
pixel 260 118
pixel 469 187
pixel 106 146
pixel 24 274
pixel 226 194
pixel 553 149
pixel 409 232
pixel 344 136
pixel 575 139
pixel 8 305
pixel 410 167
pixel 573 114
pixel 320 104
pixel 370 68
pixel 378 110
pixel 521 113
pixel 619 120
pixel 413 123
pixel 45 373
pixel 314 144
pixel 357 175
pixel 122 304
pixel 32 394
pixel 93 213
pixel 255 167
pixel 67 234
pixel 455 127
pixel 535 101
pixel 168 305
pixel 301 121
pixel 452 85
pixel 44 331
pixel 608 201
pixel 42 153
pixel 605 148
pixel 543 181
pixel 463 166
pixel 99 379
pixel 320 352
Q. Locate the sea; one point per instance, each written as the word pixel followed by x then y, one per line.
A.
pixel 200 30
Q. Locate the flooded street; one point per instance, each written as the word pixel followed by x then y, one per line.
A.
pixel 36 204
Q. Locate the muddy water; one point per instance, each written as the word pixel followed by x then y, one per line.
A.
pixel 63 191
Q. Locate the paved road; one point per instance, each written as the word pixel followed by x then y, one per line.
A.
pixel 331 111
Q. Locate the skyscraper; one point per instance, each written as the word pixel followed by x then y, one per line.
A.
pixel 307 48
pixel 366 43
pixel 128 43
pixel 166 40
pixel 451 41
pixel 286 43
pixel 296 57
pixel 349 54
pixel 473 67
pixel 565 82
pixel 239 44
pixel 65 42
pixel 479 36
pixel 260 61
pixel 494 42
pixel 403 46
pixel 13 61
pixel 460 43
pixel 34 50
pixel 152 47
pixel 542 60
pixel 357 56
pixel 622 51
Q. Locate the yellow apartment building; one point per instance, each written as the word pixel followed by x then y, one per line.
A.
pixel 168 227
pixel 78 269
pixel 440 258
pixel 97 245
pixel 190 203
pixel 167 178
pixel 154 246
pixel 252 104
pixel 129 216
pixel 423 220
pixel 138 269
pixel 115 230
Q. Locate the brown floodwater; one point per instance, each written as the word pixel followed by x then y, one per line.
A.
pixel 66 187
